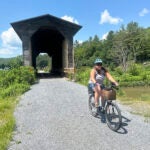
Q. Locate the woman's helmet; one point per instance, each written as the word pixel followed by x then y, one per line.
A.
pixel 98 60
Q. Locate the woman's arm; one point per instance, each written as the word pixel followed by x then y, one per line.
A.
pixel 110 78
pixel 92 76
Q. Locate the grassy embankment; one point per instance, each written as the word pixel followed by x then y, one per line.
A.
pixel 12 84
pixel 134 86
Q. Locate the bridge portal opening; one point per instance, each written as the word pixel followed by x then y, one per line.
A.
pixel 48 41
pixel 43 63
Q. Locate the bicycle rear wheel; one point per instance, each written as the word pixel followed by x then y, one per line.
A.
pixel 91 104
pixel 113 116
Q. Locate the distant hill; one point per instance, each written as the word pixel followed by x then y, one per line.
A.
pixel 42 61
pixel 5 62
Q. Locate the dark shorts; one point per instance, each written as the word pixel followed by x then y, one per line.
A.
pixel 91 87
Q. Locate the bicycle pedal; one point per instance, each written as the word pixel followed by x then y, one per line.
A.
pixel 101 109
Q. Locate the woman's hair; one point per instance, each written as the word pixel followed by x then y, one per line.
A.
pixel 102 69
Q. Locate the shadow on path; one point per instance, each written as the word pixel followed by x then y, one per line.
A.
pixel 122 129
pixel 125 122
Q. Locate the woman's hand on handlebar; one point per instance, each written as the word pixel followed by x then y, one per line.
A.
pixel 115 85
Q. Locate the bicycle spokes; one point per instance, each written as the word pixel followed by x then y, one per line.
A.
pixel 112 113
pixel 113 116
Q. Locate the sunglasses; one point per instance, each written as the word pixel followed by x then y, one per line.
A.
pixel 99 64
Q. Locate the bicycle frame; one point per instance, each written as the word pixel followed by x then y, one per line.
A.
pixel 100 100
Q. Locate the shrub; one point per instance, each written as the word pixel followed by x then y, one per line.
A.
pixel 25 74
pixel 119 71
pixel 16 81
pixel 138 77
pixel 14 90
pixel 16 62
pixel 82 75
pixel 135 69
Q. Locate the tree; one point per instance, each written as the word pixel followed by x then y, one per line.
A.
pixel 15 62
pixel 129 44
pixel 134 37
pixel 43 60
pixel 107 48
pixel 120 49
pixel 144 52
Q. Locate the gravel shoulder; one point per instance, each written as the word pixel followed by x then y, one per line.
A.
pixel 54 115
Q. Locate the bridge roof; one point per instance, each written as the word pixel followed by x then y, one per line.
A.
pixel 31 25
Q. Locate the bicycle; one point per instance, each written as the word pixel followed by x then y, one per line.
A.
pixel 110 109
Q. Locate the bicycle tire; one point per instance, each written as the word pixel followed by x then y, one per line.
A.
pixel 112 111
pixel 91 105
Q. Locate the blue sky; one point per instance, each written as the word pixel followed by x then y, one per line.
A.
pixel 97 17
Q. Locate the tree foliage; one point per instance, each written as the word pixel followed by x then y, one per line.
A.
pixel 130 44
pixel 42 61
pixel 10 63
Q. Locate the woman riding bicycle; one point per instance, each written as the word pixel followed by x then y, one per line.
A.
pixel 97 76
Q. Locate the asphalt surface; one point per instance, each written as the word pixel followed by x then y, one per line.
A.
pixel 54 115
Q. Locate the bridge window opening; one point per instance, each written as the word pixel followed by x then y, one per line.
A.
pixel 43 63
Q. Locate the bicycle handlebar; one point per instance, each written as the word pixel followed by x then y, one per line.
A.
pixel 113 85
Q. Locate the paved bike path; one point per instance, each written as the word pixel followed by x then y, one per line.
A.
pixel 54 115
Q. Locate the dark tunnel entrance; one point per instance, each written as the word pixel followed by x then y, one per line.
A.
pixel 49 41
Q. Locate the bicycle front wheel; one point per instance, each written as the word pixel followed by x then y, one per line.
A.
pixel 91 104
pixel 113 116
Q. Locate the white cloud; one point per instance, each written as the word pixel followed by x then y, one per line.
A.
pixel 80 41
pixel 143 12
pixel 4 51
pixel 10 37
pixel 11 44
pixel 107 18
pixel 104 37
pixel 70 19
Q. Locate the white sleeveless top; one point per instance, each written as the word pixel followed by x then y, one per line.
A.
pixel 99 77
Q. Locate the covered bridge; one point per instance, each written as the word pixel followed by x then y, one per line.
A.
pixel 47 34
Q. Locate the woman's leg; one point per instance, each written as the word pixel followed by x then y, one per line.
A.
pixel 103 99
pixel 97 95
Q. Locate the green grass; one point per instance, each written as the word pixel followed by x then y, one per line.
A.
pixel 138 98
pixel 13 83
pixel 7 121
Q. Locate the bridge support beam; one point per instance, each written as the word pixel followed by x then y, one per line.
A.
pixel 27 52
